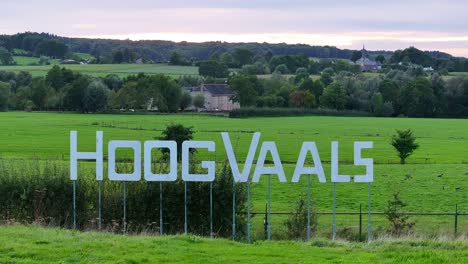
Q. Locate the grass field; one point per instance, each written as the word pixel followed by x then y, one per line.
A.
pixel 435 180
pixel 101 70
pixel 20 244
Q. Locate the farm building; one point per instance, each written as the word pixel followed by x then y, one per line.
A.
pixel 366 64
pixel 218 97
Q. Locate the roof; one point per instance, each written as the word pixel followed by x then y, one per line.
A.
pixel 213 89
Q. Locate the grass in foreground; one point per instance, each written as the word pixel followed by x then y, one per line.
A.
pixel 20 244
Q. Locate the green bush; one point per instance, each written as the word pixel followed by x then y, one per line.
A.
pixel 41 192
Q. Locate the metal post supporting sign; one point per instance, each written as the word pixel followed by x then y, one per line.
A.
pixel 248 211
pixel 211 209
pixel 125 207
pixel 161 223
pixel 369 222
pixel 74 204
pixel 308 207
pixel 334 212
pixel 185 210
pixel 268 209
pixel 233 210
pixel 99 205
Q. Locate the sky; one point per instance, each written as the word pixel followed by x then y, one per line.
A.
pixel 379 25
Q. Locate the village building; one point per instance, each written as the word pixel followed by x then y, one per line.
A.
pixel 366 64
pixel 218 97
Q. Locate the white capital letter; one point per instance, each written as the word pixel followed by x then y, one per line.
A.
pixel 277 169
pixel 75 156
pixel 318 169
pixel 358 161
pixel 335 176
pixel 136 146
pixel 238 176
pixel 172 146
pixel 209 165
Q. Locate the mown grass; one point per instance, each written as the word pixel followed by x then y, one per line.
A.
pixel 100 70
pixel 20 244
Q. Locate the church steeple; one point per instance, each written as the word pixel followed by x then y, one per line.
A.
pixel 363 52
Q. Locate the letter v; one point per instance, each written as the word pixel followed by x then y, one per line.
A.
pixel 238 176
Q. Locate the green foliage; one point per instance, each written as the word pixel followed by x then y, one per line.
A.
pixel 395 214
pixel 40 192
pixel 247 88
pixel 95 97
pixel 5 57
pixel 51 48
pixel 334 96
pixel 242 56
pixel 185 100
pixel 404 143
pixel 179 134
pixel 199 101
pixel 4 96
pixel 417 98
pixel 213 69
pixel 296 223
pixel 282 69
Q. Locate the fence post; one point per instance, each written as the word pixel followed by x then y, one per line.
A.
pixel 360 222
pixel 456 219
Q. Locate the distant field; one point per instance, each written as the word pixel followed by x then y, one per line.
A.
pixel 100 70
pixel 20 244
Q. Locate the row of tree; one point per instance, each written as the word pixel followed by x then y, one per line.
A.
pixel 396 93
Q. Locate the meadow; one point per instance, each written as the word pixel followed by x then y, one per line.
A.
pixel 101 70
pixel 39 245
pixel 434 180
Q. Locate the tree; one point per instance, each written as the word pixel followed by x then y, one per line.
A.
pixel 54 78
pixel 5 57
pixel 356 55
pixel 199 101
pixel 418 99
pixel 326 78
pixel 282 69
pixel 179 134
pixel 242 57
pixel 176 59
pixel 185 100
pixel 213 69
pixel 4 96
pixel 394 214
pixel 95 97
pixel 404 143
pixel 39 91
pixel 380 58
pixel 302 99
pixel 334 96
pixel 247 88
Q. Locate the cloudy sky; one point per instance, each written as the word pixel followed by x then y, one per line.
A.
pixel 389 25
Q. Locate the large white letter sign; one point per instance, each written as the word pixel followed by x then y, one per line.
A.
pixel 300 169
pixel 136 146
pixel 359 161
pixel 335 176
pixel 238 176
pixel 209 165
pixel 75 156
pixel 172 146
pixel 277 169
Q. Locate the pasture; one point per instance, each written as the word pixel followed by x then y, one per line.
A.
pixel 434 180
pixel 101 70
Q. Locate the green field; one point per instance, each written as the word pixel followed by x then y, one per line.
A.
pixel 435 180
pixel 39 245
pixel 101 70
